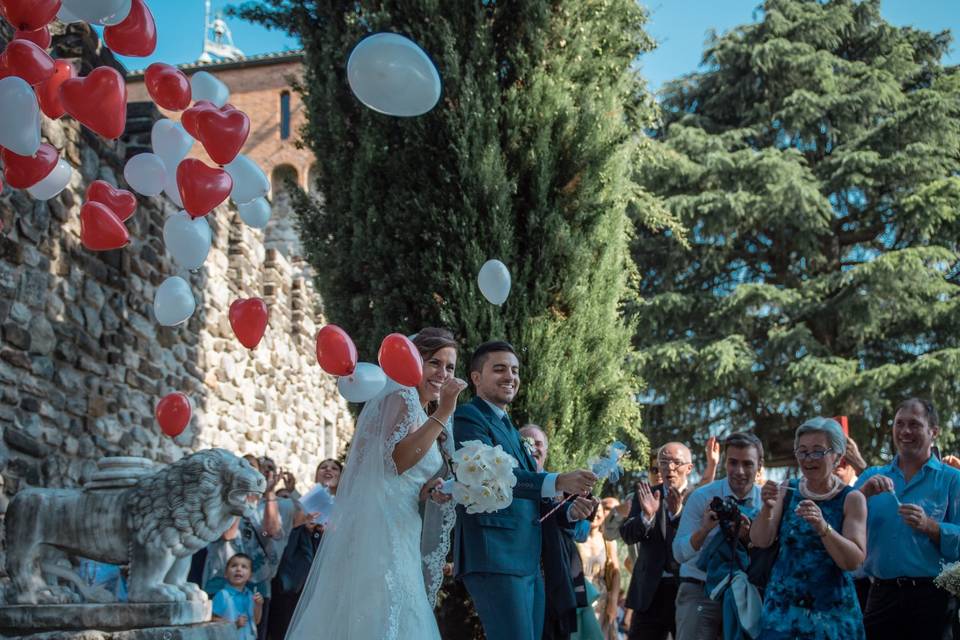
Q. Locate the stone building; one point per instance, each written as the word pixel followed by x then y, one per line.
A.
pixel 82 359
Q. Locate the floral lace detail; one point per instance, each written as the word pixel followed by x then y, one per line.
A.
pixel 433 562
pixel 408 418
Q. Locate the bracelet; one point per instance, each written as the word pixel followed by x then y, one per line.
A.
pixel 437 421
pixel 269 499
pixel 826 531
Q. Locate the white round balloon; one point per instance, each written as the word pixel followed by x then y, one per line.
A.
pixel 249 180
pixel 366 381
pixel 206 86
pixel 171 189
pixel 66 17
pixel 391 74
pixel 256 214
pixel 174 302
pixel 145 173
pixel 494 281
pixel 105 12
pixel 19 117
pixel 55 182
pixel 187 239
pixel 171 142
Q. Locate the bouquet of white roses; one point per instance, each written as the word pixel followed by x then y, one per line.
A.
pixel 949 578
pixel 484 477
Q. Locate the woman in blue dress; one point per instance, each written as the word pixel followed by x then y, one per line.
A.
pixel 821 524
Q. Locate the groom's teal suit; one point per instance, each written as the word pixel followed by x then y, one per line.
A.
pixel 498 554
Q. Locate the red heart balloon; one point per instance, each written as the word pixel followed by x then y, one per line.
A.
pixel 26 60
pixel 30 15
pixel 48 94
pixel 401 360
pixel 222 133
pixel 100 228
pixel 201 187
pixel 168 86
pixel 120 201
pixel 41 37
pixel 136 35
pixel 189 117
pixel 336 352
pixel 173 413
pixel 22 172
pixel 248 317
pixel 99 101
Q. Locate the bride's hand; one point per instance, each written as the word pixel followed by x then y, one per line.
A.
pixel 431 490
pixel 449 392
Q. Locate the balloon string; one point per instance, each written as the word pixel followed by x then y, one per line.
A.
pixel 563 502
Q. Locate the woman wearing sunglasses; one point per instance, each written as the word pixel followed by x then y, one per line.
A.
pixel 821 526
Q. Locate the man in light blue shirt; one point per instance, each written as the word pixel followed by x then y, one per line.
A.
pixel 913 525
pixel 699 617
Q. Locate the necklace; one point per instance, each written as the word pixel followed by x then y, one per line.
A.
pixel 836 486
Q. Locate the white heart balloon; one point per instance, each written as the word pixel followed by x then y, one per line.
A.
pixel 55 182
pixel 256 214
pixel 174 302
pixel 249 180
pixel 187 239
pixel 19 117
pixel 391 74
pixel 494 281
pixel 206 86
pixel 146 174
pixel 366 381
pixel 105 12
pixel 171 142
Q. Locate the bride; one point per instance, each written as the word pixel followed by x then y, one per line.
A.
pixel 379 566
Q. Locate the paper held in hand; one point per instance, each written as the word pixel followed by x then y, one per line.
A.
pixel 318 500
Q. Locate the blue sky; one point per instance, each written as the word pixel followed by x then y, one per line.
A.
pixel 680 26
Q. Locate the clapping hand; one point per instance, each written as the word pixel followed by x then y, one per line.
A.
pixel 712 452
pixel 649 499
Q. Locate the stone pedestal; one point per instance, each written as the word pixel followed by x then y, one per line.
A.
pixel 21 619
pixel 205 631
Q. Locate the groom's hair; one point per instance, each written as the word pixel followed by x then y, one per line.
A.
pixel 480 353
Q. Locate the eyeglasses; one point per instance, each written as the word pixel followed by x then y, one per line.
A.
pixel 816 454
pixel 667 463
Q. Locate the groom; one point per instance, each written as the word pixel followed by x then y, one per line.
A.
pixel 497 555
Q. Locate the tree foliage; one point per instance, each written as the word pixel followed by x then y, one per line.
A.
pixel 527 159
pixel 814 161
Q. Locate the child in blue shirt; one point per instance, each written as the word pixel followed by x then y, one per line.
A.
pixel 236 603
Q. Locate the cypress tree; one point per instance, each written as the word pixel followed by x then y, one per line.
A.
pixel 527 159
pixel 815 163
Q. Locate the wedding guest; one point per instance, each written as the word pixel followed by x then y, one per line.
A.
pixel 236 602
pixel 652 526
pixel 851 465
pixel 601 568
pixel 562 568
pixel 287 585
pixel 821 525
pixel 328 474
pixel 913 527
pixel 698 616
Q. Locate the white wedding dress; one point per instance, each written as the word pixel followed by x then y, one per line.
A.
pixel 380 563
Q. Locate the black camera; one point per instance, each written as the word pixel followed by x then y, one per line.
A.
pixel 728 512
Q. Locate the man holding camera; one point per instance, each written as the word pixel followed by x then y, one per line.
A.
pixel 699 617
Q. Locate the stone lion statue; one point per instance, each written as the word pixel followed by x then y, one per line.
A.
pixel 155 525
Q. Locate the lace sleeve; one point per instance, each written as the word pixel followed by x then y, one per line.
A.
pixel 401 414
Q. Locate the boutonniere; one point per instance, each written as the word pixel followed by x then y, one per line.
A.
pixel 528 445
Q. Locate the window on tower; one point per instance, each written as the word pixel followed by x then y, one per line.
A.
pixel 284 115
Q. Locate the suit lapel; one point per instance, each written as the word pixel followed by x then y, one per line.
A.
pixel 508 438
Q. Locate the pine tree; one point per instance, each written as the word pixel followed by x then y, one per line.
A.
pixel 527 159
pixel 815 163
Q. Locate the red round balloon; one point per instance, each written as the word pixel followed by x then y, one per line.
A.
pixel 202 188
pixel 173 413
pixel 41 37
pixel 100 228
pixel 136 35
pixel 336 352
pixel 48 94
pixel 249 317
pixel 168 86
pixel 98 101
pixel 400 359
pixel 26 60
pixel 22 172
pixel 30 15
pixel 189 118
pixel 120 201
pixel 222 132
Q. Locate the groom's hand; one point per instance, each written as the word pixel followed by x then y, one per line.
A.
pixel 580 481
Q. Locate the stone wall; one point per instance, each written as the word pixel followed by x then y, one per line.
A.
pixel 83 361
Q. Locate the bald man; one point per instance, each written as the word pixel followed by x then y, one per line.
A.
pixel 652 525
